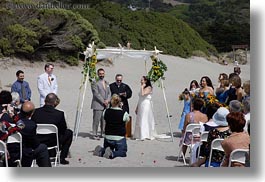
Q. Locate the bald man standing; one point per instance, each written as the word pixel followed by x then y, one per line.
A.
pixel 32 148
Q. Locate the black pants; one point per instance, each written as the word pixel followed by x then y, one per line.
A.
pixel 40 154
pixel 65 143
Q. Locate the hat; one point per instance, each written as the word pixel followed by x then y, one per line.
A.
pixel 235 106
pixel 219 116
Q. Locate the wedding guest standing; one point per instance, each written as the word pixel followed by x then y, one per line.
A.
pixel 206 86
pixel 21 87
pixel 187 97
pixel 100 101
pixel 47 83
pixel 145 122
pixel 123 90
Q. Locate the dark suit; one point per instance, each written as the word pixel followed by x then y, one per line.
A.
pixel 49 115
pixel 115 89
pixel 32 149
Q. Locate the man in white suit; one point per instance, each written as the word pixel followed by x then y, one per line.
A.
pixel 47 83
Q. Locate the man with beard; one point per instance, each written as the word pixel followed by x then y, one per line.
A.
pixel 101 98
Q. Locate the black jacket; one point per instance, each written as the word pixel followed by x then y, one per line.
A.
pixel 121 89
pixel 49 115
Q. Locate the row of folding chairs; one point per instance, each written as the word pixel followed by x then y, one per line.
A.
pixel 194 129
pixel 42 129
pixel 14 138
pixel 238 155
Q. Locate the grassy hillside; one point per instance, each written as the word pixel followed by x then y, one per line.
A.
pixel 116 24
pixel 52 34
pixel 222 23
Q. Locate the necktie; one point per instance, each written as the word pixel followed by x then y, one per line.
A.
pixel 49 79
pixel 23 91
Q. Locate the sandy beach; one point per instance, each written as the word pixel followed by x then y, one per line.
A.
pixel 155 153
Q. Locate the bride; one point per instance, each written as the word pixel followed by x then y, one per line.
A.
pixel 145 124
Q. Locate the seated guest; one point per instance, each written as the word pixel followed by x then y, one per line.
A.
pixel 49 115
pixel 115 142
pixel 195 116
pixel 246 111
pixel 235 106
pixel 32 148
pixel 239 139
pixel 5 102
pixel 210 111
pixel 221 131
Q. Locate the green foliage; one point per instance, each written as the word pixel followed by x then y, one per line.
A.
pixel 5 47
pixel 21 38
pixel 53 55
pixel 44 33
pixel 77 42
pixel 72 61
pixel 221 23
pixel 115 24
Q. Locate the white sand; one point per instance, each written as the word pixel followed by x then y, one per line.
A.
pixel 140 153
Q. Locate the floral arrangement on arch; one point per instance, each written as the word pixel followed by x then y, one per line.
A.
pixel 89 67
pixel 157 70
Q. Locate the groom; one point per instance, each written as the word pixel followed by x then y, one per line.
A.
pixel 100 101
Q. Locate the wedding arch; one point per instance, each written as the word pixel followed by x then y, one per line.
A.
pixel 91 54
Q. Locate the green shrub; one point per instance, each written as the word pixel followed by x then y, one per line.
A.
pixel 5 47
pixel 116 24
pixel 21 38
pixel 72 61
pixel 53 55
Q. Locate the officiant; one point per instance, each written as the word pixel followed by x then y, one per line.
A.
pixel 123 90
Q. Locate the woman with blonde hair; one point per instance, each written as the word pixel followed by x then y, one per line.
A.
pixel 114 142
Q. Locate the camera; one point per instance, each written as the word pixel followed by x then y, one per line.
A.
pixel 16 110
pixel 3 108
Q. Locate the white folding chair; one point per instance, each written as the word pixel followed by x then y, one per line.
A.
pixel 216 145
pixel 194 129
pixel 3 151
pixel 46 129
pixel 16 138
pixel 204 137
pixel 238 155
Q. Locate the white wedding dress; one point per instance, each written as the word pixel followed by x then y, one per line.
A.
pixel 145 122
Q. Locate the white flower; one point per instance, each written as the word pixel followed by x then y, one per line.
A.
pixel 88 52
